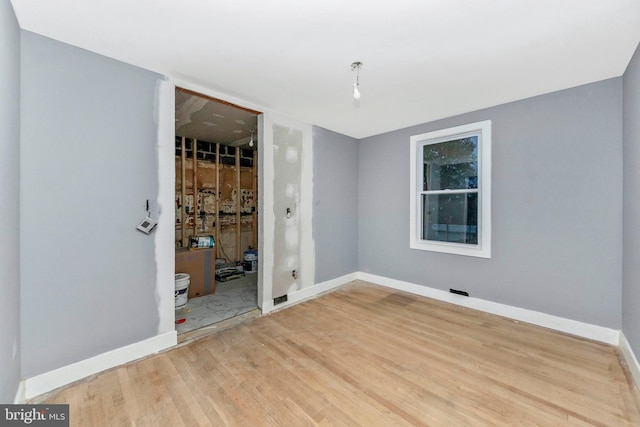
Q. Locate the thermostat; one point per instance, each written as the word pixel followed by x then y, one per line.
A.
pixel 147 225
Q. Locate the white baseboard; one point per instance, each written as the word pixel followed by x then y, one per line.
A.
pixel 20 394
pixel 630 358
pixel 573 327
pixel 310 292
pixel 48 381
pixel 51 380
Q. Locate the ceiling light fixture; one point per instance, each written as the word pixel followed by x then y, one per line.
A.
pixel 356 83
pixel 251 140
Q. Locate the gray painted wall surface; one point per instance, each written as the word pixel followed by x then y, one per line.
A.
pixel 631 206
pixel 9 203
pixel 88 163
pixel 335 205
pixel 557 207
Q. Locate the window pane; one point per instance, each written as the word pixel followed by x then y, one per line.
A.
pixel 450 217
pixel 450 165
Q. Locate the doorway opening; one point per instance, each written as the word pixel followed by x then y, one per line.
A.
pixel 216 202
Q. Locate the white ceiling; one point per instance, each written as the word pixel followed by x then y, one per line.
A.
pixel 423 60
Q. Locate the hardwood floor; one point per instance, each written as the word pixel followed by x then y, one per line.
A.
pixel 364 355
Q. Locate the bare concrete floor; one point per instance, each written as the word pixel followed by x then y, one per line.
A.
pixel 231 299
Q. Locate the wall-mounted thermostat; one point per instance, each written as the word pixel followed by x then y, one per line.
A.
pixel 147 225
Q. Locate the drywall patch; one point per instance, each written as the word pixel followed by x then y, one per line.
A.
pixel 164 234
pixel 287 201
pixel 292 155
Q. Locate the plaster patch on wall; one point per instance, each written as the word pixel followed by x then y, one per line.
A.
pixel 292 236
pixel 291 262
pixel 164 234
pixel 291 190
pixel 287 196
pixel 275 276
pixel 292 155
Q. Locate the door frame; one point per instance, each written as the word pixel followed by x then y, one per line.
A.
pixel 165 231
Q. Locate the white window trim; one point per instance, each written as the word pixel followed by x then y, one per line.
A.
pixel 483 248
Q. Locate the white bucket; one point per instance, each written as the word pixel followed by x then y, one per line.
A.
pixel 182 289
pixel 250 261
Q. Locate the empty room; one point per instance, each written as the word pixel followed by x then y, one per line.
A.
pixel 332 213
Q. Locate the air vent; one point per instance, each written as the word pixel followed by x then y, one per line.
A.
pixel 279 300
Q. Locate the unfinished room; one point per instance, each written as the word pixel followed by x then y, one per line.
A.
pixel 331 213
pixel 216 217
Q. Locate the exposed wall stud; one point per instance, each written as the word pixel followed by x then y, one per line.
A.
pixel 238 206
pixel 217 198
pixel 183 195
pixel 194 143
pixel 254 214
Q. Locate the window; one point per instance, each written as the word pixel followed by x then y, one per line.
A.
pixel 451 190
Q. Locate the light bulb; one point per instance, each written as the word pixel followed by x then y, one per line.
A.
pixel 356 91
pixel 251 143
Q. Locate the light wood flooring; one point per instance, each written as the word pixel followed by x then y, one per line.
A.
pixel 364 355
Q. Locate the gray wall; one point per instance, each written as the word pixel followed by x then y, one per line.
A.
pixel 335 205
pixel 557 207
pixel 631 206
pixel 9 203
pixel 88 164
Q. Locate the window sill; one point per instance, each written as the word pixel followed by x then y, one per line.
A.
pixel 451 248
